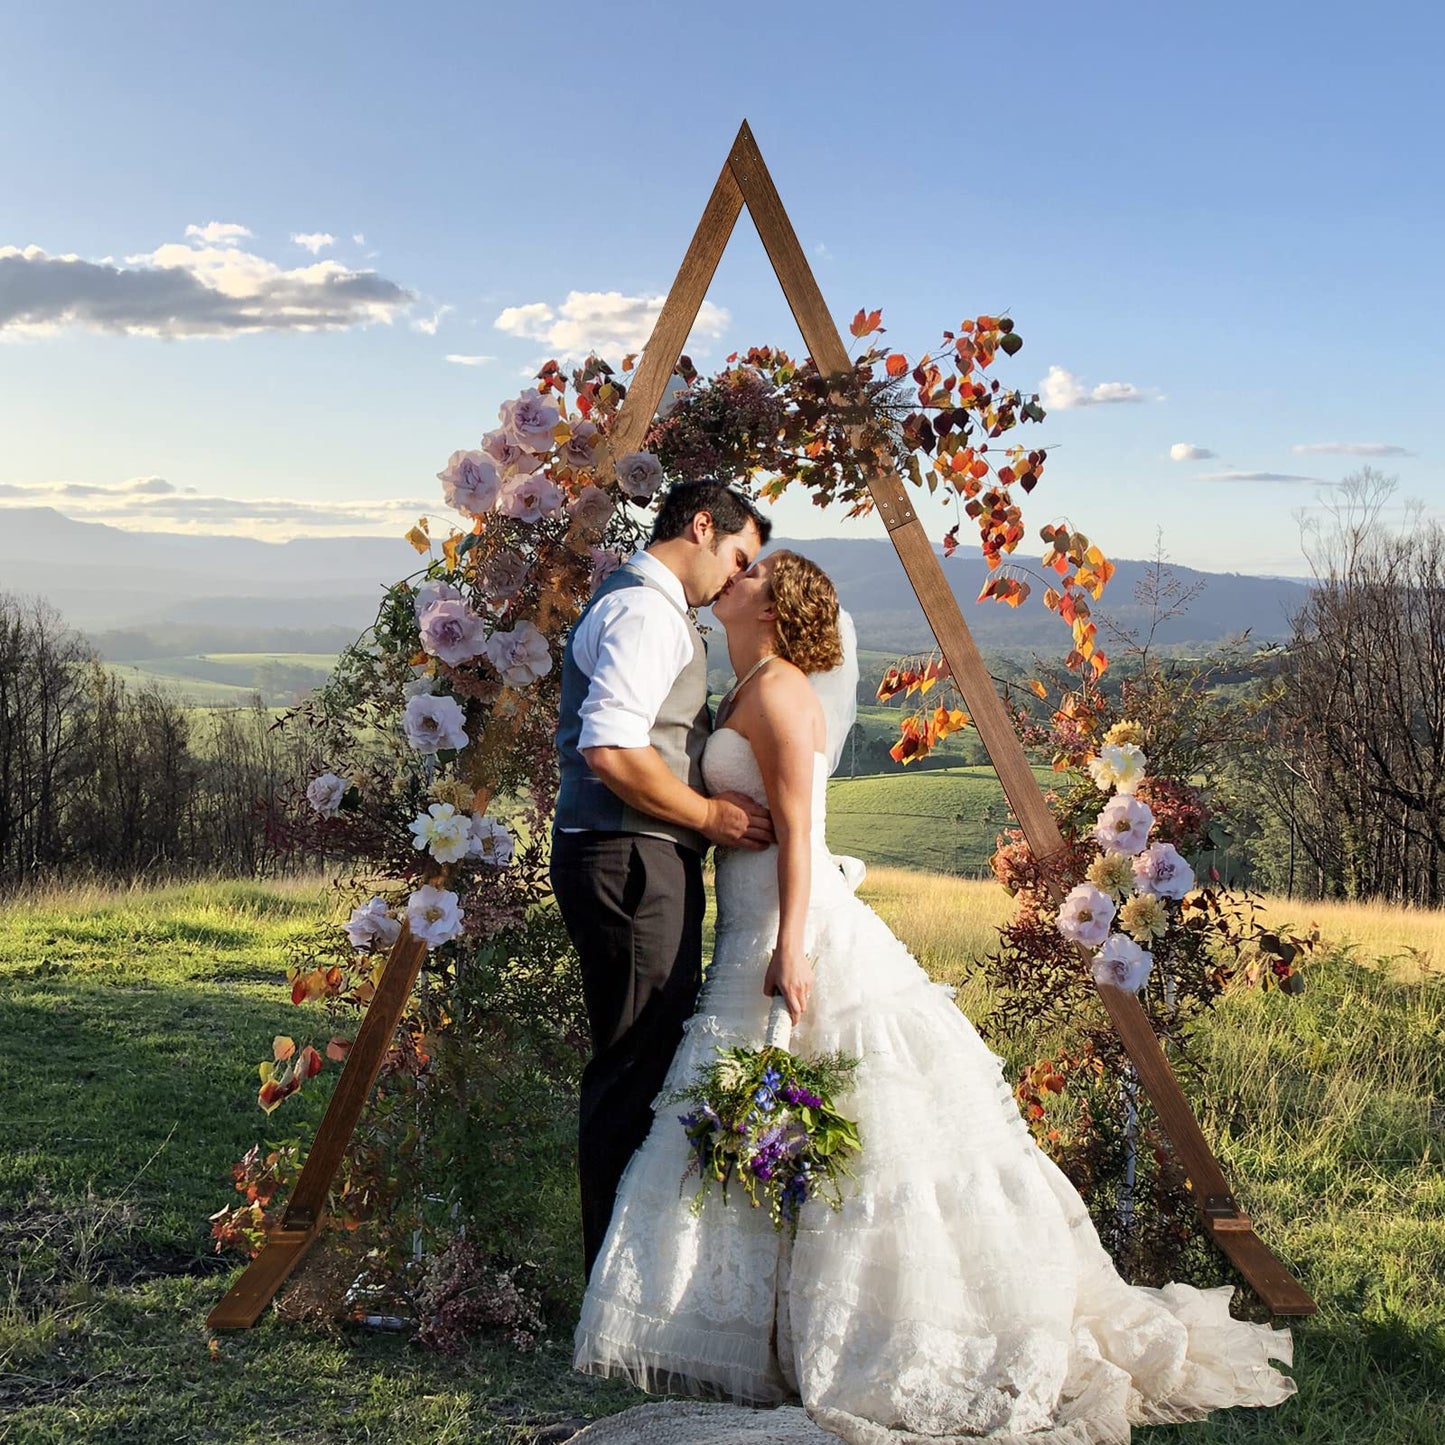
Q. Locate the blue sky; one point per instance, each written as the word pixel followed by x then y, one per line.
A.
pixel 1231 216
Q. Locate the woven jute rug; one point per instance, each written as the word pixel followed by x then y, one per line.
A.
pixel 686 1422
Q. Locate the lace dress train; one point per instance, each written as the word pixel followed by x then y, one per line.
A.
pixel 961 1291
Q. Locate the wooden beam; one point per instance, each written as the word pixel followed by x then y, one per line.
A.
pixel 1227 1225
pixel 242 1304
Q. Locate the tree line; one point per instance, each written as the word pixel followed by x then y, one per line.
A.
pixel 102 778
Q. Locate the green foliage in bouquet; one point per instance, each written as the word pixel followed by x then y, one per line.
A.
pixel 767 1121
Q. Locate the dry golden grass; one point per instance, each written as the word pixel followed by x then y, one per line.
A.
pixel 1409 938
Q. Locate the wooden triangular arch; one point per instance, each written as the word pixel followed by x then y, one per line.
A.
pixel 745 182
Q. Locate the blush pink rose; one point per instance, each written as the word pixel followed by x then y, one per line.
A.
pixel 470 483
pixel 530 421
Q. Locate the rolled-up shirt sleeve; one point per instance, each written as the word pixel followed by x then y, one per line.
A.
pixel 632 645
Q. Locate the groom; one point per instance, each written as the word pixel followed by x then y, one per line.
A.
pixel 633 822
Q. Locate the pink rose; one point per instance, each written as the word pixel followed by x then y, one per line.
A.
pixel 1124 824
pixel 579 450
pixel 1122 963
pixel 432 723
pixel 431 592
pixel 1161 870
pixel 592 509
pixel 506 571
pixel 1086 915
pixel 639 474
pixel 604 563
pixel 530 421
pixel 470 483
pixel 529 499
pixel 521 656
pixel 512 460
pixel 453 632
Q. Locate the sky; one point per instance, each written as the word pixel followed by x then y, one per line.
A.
pixel 263 268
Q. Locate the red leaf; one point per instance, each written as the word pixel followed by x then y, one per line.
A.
pixel 950 542
pixel 338 1049
pixel 897 364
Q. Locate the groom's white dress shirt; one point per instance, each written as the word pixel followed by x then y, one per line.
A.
pixel 632 644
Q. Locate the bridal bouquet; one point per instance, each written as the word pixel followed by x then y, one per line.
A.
pixel 766 1119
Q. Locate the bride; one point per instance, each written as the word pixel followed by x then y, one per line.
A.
pixel 961 1291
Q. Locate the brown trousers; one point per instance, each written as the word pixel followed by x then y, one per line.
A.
pixel 633 907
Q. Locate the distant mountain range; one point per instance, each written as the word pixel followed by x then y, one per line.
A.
pixel 244 595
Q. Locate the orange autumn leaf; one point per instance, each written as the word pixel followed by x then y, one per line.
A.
pixel 418 537
pixel 1038 689
pixel 282 1047
pixel 865 323
pixel 897 365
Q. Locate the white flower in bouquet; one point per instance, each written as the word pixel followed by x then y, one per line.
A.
pixel 372 924
pixel 591 508
pixel 435 915
pixel 639 474
pixel 432 723
pixel 1124 824
pixel 1119 766
pixel 451 631
pixel 604 563
pixel 1161 869
pixel 521 656
pixel 491 841
pixel 512 459
pixel 529 499
pixel 579 450
pixel 471 483
pixel 1123 963
pixel 1114 873
pixel 1085 915
pixel 443 832
pixel 432 591
pixel 530 420
pixel 325 794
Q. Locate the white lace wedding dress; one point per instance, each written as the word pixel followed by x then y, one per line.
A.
pixel 961 1291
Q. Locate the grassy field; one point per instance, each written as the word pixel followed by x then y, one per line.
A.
pixel 231 679
pixel 129 1026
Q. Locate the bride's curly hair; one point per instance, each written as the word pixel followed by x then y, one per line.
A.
pixel 807 613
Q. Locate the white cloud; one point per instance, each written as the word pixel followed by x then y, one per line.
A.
pixel 821 251
pixel 1188 452
pixel 218 233
pixel 1062 390
pixel 427 325
pixel 1254 477
pixel 358 239
pixel 603 321
pixel 180 290
pixel 152 504
pixel 1351 449
pixel 314 241
pixel 458 360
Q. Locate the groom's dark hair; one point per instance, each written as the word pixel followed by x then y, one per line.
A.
pixel 730 511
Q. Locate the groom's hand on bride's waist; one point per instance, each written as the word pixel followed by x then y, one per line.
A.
pixel 734 820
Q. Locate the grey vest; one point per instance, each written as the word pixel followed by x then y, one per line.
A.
pixel 679 735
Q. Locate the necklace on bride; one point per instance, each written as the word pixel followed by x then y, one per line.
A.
pixel 725 703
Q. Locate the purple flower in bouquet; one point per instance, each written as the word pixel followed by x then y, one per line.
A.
pixel 639 474
pixel 432 723
pixel 512 459
pixel 1124 824
pixel 592 508
pixel 521 655
pixel 1085 915
pixel 471 483
pixel 1161 870
pixel 530 420
pixel 325 794
pixel 451 631
pixel 530 498
pixel 370 925
pixel 1122 963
